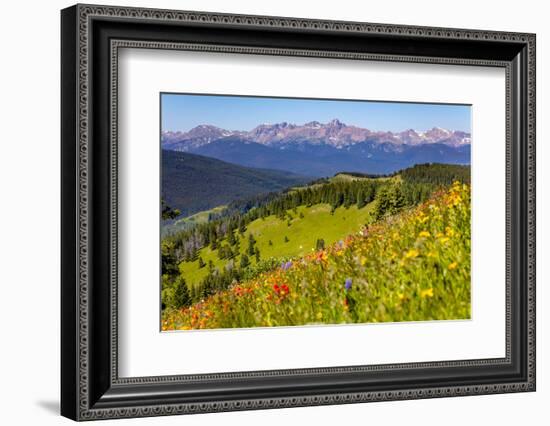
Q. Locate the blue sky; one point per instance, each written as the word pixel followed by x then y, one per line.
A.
pixel 183 112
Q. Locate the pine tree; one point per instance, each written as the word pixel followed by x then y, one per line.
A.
pixel 181 293
pixel 201 263
pixel 231 238
pixel 361 199
pixel 168 259
pixel 347 199
pixel 320 244
pixel 242 226
pixel 169 213
pixel 257 254
pixel 251 243
pixel 244 261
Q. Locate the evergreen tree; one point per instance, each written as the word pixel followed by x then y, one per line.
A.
pixel 251 243
pixel 231 238
pixel 225 252
pixel 168 212
pixel 168 259
pixel 347 199
pixel 242 226
pixel 389 200
pixel 257 254
pixel 201 263
pixel 361 199
pixel 320 244
pixel 244 261
pixel 181 293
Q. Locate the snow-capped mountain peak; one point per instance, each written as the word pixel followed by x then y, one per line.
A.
pixel 333 133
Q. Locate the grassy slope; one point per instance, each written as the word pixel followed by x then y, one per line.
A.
pixel 302 233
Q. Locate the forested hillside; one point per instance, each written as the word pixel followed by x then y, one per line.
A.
pixel 255 237
pixel 193 183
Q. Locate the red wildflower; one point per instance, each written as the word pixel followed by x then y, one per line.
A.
pixel 321 256
pixel 281 290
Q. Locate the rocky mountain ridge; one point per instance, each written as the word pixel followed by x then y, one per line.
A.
pixel 333 133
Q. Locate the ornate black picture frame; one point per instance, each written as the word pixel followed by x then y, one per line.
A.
pixel 91 387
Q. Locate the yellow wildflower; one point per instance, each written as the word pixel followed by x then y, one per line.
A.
pixel 424 234
pixel 427 293
pixel 444 239
pixel 319 315
pixel 452 266
pixel 411 254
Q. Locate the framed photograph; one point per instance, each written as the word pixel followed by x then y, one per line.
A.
pixel 263 212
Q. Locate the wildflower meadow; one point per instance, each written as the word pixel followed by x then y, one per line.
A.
pixel 412 264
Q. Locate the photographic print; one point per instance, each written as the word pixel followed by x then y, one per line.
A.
pixel 297 212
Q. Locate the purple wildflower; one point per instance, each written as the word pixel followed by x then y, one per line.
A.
pixel 347 284
pixel 286 266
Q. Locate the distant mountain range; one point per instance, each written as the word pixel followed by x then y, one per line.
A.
pixel 317 149
pixel 334 133
pixel 193 183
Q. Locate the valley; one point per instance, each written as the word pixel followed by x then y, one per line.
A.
pixel 194 183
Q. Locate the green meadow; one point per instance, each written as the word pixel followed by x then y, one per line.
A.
pixel 302 234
